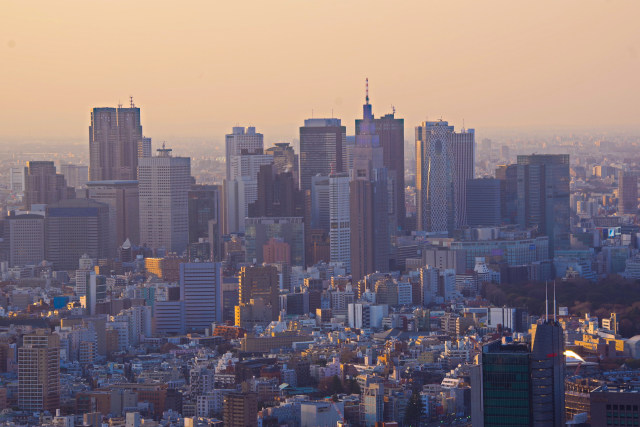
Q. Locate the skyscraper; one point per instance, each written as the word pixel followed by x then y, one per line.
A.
pixel 485 201
pixel 76 227
pixel 390 132
pixel 521 385
pixel 75 175
pixel 124 209
pixel 627 193
pixel 285 160
pixel 39 372
pixel 24 237
pixel 368 201
pixel 204 206
pixel 322 149
pixel 320 189
pixel 543 196
pixel 114 137
pixel 242 141
pixel 16 180
pixel 339 220
pixel 245 155
pixel 201 294
pixel 547 374
pixel 444 164
pixel 43 185
pixel 508 174
pixel 258 281
pixel 164 183
pixel 277 194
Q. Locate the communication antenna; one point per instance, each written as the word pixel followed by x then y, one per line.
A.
pixel 554 301
pixel 367 89
pixel 393 109
pixel 546 301
pixel 131 101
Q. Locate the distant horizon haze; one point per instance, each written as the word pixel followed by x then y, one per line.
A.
pixel 197 70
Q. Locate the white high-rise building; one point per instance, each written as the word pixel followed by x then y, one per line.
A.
pixel 244 158
pixel 164 182
pixel 339 220
pixel 241 141
pixel 16 180
pixel 445 161
pixel 201 294
pixel 75 175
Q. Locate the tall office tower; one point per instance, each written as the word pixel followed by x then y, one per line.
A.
pixel 76 227
pixel 242 142
pixel 24 238
pixel 508 174
pixel 368 201
pixel 320 203
pixel 547 374
pixel 75 175
pixel 204 206
pixel 114 136
pixel 39 372
pixel 16 180
pixel 390 131
pixel 260 281
pixel 240 410
pixel 518 385
pixel 543 196
pixel 627 193
pixel 285 160
pixel 244 157
pixel 164 183
pixel 339 220
pixel 501 386
pixel 201 294
pixel 485 202
pixel 444 164
pixel 83 278
pixel 277 195
pixel 124 209
pixel 144 147
pixel 43 185
pixel 322 149
pixel 96 292
pixel 373 397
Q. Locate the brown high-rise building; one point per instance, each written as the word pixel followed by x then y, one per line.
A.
pixel 43 185
pixel 240 410
pixel 390 131
pixel 627 193
pixel 260 281
pixel 114 137
pixel 361 215
pixel 39 372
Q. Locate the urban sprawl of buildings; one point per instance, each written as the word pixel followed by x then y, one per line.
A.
pixel 349 283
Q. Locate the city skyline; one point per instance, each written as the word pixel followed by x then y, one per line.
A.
pixel 564 65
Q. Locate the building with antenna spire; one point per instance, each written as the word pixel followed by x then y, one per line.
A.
pixel 369 200
pixel 115 135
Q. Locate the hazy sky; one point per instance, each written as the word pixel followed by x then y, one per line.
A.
pixel 196 68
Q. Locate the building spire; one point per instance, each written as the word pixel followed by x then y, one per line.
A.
pixel 546 302
pixel 367 90
pixel 554 301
